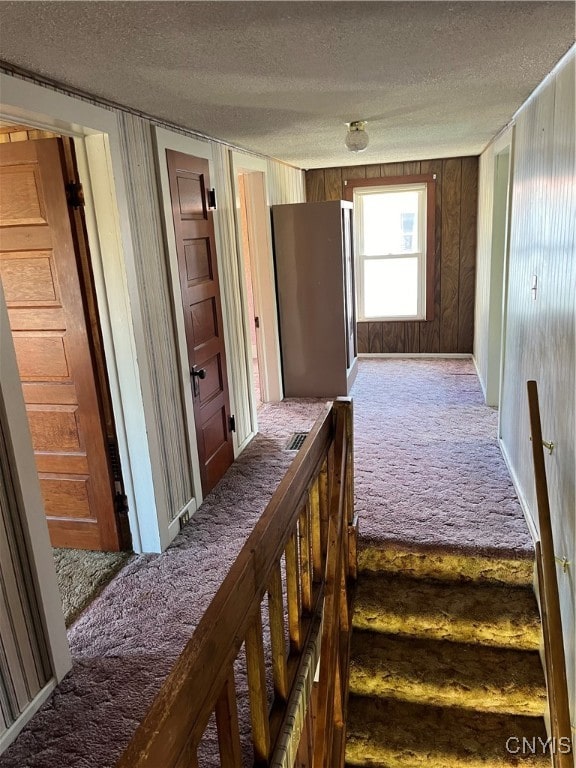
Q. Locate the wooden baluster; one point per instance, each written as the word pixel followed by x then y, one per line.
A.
pixel 343 593
pixel 330 648
pixel 305 558
pixel 227 723
pixel 350 517
pixel 293 590
pixel 314 504
pixel 277 636
pixel 339 732
pixel 323 501
pixel 257 687
pixel 345 403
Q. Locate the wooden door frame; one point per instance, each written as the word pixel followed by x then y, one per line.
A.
pixel 179 143
pixel 97 140
pixel 263 281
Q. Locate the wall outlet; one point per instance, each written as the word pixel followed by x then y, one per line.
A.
pixel 184 518
pixel 534 286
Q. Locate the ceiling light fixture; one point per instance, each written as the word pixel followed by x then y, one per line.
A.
pixel 356 139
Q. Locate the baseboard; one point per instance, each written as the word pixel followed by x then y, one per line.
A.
pixel 521 498
pixel 188 509
pixel 422 355
pixel 480 379
pixel 30 710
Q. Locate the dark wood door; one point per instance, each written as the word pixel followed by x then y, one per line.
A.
pixel 195 243
pixel 39 274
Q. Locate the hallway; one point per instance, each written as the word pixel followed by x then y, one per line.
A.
pixel 429 471
pixel 429 475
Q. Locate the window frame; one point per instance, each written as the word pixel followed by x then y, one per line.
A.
pixel 429 180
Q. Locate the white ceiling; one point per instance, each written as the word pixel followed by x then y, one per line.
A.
pixel 433 79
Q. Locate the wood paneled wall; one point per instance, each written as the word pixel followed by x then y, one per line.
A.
pixel 452 329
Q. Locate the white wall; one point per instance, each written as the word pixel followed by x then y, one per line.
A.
pixel 540 334
pixel 495 169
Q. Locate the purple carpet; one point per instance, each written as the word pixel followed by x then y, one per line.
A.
pixel 428 474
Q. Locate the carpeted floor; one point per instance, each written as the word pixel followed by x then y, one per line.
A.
pixel 82 574
pixel 428 474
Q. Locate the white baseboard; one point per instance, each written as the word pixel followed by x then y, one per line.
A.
pixel 521 498
pixel 190 507
pixel 422 355
pixel 482 385
pixel 10 735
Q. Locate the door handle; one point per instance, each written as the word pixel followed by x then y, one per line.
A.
pixel 197 373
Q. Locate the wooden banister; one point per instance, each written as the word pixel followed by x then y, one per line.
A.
pixel 555 660
pixel 299 551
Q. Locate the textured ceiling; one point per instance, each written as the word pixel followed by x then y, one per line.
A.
pixel 433 79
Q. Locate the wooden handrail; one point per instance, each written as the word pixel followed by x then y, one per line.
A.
pixel 306 526
pixel 555 660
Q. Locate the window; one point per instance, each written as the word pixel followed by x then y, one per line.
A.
pixel 394 234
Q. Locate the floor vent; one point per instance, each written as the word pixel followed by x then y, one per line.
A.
pixel 296 441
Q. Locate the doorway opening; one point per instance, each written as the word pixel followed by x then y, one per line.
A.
pixel 46 274
pixel 256 266
pixel 498 278
pixel 247 255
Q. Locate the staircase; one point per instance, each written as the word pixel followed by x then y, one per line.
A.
pixel 445 669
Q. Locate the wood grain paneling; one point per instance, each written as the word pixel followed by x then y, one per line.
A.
pixel 315 187
pixel 452 328
pixel 393 337
pixel 333 183
pixel 375 337
pixel 429 336
pixel 363 336
pixel 468 217
pixel 412 337
pixel 450 264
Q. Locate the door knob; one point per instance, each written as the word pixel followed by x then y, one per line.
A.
pixel 197 373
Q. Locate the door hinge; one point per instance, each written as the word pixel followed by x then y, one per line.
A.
pixel 257 322
pixel 75 194
pixel 232 423
pixel 211 193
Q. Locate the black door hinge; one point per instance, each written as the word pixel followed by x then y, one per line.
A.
pixel 75 194
pixel 211 193
pixel 257 322
pixel 232 423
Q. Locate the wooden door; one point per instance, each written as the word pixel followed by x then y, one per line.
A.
pixel 195 244
pixel 40 278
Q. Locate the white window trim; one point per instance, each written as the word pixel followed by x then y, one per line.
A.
pixel 421 255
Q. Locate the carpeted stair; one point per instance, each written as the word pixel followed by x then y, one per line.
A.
pixel 445 669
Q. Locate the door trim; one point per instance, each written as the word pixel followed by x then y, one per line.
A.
pixel 34 523
pixel 97 141
pixel 166 140
pixel 264 286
